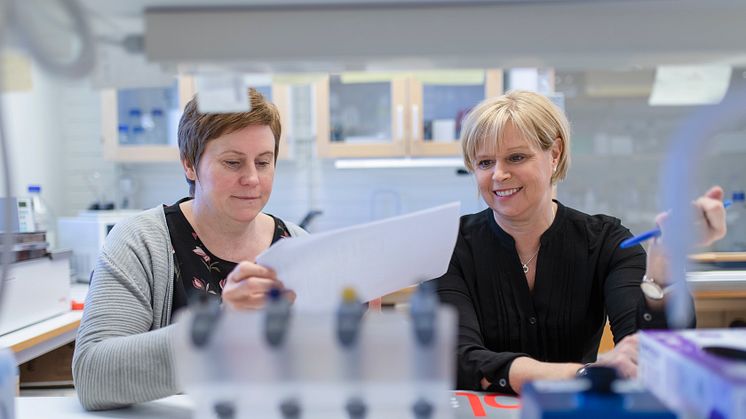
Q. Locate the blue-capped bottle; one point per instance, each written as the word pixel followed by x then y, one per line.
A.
pixel 736 218
pixel 138 136
pixel 42 215
pixel 137 132
pixel 124 134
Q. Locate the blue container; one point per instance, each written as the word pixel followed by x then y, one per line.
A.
pixel 590 397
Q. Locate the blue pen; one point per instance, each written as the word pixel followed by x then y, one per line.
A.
pixel 656 232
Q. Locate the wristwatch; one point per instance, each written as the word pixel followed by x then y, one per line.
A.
pixel 583 371
pixel 652 290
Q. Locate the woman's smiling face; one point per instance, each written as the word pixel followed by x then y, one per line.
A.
pixel 515 176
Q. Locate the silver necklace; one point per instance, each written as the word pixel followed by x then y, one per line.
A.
pixel 525 265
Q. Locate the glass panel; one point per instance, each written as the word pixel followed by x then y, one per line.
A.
pixel 146 115
pixel 444 106
pixel 360 112
pixel 620 141
pixel 150 116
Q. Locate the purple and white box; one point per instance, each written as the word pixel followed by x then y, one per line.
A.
pixel 696 372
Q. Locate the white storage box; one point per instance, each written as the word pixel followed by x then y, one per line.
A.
pixel 85 234
pixel 697 371
pixel 35 290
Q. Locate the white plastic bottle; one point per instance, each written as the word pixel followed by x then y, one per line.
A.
pixel 42 215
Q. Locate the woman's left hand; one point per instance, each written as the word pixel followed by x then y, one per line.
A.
pixel 710 216
pixel 623 357
pixel 247 286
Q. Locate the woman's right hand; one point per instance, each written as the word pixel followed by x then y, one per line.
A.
pixel 623 357
pixel 248 284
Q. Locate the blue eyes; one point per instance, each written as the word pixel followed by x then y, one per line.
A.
pixel 513 158
pixel 485 164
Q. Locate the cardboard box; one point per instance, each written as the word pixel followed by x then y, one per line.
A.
pixel 51 369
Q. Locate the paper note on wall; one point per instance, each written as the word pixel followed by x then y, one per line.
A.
pixel 15 70
pixel 689 85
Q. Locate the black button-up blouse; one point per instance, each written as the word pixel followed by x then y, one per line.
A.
pixel 582 276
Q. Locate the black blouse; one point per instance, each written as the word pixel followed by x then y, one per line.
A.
pixel 197 269
pixel 581 277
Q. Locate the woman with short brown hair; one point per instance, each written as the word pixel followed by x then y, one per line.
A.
pixel 154 263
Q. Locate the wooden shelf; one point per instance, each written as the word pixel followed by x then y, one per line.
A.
pixel 718 257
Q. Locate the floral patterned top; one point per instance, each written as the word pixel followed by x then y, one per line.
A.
pixel 197 269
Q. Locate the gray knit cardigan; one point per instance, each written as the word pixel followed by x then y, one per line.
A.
pixel 123 349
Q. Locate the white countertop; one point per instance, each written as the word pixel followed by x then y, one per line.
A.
pixel 717 280
pixel 174 407
pixel 182 407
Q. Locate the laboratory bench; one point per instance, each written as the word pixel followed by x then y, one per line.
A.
pixel 466 404
pixel 720 298
pixel 43 350
pixel 39 338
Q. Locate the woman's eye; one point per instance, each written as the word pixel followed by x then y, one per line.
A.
pixel 232 163
pixel 485 164
pixel 515 158
pixel 263 163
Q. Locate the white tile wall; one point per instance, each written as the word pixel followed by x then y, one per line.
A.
pixel 82 155
pixel 346 197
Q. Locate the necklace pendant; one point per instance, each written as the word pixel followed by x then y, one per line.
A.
pixel 525 268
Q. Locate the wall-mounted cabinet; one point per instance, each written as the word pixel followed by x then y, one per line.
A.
pixel 398 114
pixel 140 125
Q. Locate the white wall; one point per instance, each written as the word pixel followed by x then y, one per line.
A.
pixel 54 135
pixel 32 124
pixel 346 197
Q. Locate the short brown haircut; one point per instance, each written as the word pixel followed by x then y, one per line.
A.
pixel 534 115
pixel 196 129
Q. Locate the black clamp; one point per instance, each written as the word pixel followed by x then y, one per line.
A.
pixel 349 317
pixel 422 409
pixel 276 318
pixel 424 309
pixel 207 313
pixel 356 408
pixel 290 409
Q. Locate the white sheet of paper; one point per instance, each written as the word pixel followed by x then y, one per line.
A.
pixel 375 259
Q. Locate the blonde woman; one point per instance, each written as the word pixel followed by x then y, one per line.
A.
pixel 533 280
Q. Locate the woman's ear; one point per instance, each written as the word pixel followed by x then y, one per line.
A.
pixel 189 170
pixel 557 146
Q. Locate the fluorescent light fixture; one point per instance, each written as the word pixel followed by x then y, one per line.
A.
pixel 397 163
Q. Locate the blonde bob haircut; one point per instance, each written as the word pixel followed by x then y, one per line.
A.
pixel 532 114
